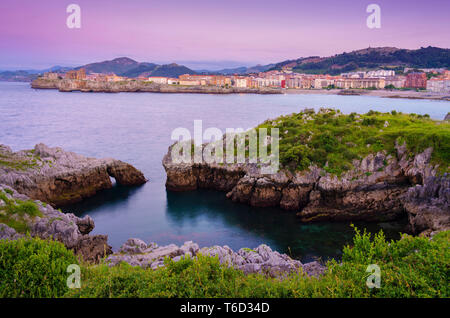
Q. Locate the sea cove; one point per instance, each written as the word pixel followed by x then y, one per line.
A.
pixel 136 128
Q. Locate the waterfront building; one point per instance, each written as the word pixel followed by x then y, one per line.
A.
pixel 354 75
pixel 396 81
pixel 114 78
pixel 416 80
pixel 158 79
pixel 173 81
pixel 76 74
pixel 189 82
pixel 349 83
pixel 51 75
pixel 438 85
pixel 240 81
pixel 380 74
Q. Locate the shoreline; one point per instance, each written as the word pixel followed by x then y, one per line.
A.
pixel 147 87
pixel 374 93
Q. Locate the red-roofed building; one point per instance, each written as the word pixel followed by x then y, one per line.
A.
pixel 416 80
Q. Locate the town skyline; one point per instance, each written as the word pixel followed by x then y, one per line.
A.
pixel 209 35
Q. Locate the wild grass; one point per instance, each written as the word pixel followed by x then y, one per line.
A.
pixel 332 140
pixel 409 267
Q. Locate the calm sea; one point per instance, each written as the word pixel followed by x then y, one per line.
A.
pixel 136 128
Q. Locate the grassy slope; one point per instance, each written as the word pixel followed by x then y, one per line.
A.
pixel 334 138
pixel 410 267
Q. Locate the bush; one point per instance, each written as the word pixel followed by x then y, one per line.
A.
pixel 34 268
pixel 410 267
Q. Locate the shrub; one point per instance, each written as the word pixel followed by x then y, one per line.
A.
pixel 410 267
pixel 34 268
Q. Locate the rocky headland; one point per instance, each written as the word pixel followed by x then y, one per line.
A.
pixel 66 85
pixel 59 177
pixel 378 186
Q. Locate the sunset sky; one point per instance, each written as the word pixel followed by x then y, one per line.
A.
pixel 208 33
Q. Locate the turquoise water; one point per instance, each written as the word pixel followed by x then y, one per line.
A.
pixel 136 128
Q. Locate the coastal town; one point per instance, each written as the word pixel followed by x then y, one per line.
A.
pixel 436 80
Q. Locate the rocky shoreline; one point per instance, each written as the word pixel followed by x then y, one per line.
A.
pixel 31 179
pixel 65 85
pixel 380 187
pixel 67 228
pixel 60 177
pixel 382 93
pixel 73 232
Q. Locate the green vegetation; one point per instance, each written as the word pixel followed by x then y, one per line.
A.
pixel 34 268
pixel 410 267
pixel 23 163
pixel 331 140
pixel 390 86
pixel 13 212
pixel 429 57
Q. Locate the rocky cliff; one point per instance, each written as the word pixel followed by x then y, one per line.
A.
pixel 381 186
pixel 42 220
pixel 60 177
pixel 66 85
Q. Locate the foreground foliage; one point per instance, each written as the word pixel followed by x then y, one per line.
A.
pixel 410 267
pixel 33 268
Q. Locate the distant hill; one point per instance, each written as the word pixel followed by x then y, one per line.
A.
pixel 240 70
pixel 117 66
pixel 125 66
pixel 167 70
pixel 17 76
pixel 365 59
pixel 370 58
pixel 28 75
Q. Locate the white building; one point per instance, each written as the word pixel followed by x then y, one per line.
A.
pixel 320 83
pixel 240 82
pixel 438 85
pixel 380 73
pixel 158 79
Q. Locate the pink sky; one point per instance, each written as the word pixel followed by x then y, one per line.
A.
pixel 33 34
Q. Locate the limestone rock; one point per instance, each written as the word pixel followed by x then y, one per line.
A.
pixel 260 260
pixel 60 177
pixel 67 228
pixel 372 191
pixel 428 205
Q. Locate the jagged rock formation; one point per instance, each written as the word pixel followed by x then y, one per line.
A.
pixel 374 190
pixel 66 85
pixel 428 205
pixel 60 177
pixel 260 260
pixel 67 228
